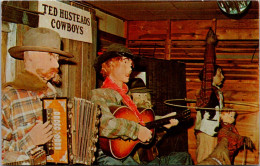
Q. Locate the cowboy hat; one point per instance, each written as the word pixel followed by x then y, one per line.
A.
pixel 39 39
pixel 136 85
pixel 114 50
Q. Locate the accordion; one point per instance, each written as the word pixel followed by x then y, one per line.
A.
pixel 75 128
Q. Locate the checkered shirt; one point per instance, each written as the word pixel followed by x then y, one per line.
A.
pixel 20 110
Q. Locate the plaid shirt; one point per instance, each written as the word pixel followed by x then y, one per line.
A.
pixel 235 141
pixel 110 126
pixel 208 74
pixel 20 110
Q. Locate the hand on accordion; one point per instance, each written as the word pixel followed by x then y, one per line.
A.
pixel 41 133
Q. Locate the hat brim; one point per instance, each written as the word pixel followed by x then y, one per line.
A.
pixel 140 90
pixel 109 55
pixel 18 51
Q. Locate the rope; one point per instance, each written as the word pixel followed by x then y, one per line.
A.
pixel 216 160
pixel 203 108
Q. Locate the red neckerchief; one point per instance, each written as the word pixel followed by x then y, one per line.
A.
pixel 108 83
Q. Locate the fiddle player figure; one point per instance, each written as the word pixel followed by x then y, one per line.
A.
pixel 115 65
pixel 229 142
pixel 210 96
pixel 22 127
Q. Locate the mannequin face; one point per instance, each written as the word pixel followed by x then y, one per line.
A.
pixel 218 78
pixel 121 71
pixel 44 64
pixel 228 117
pixel 142 100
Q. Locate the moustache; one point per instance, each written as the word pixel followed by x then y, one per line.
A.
pixel 54 70
pixel 47 75
pixel 56 79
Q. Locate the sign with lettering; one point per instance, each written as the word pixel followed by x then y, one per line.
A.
pixel 70 22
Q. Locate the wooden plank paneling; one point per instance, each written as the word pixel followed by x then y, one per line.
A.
pixel 147 30
pixel 154 48
pixel 65 71
pixel 241 29
pixel 92 58
pixel 230 85
pixel 86 84
pixel 19 41
pixel 17 12
pixel 75 71
pixel 237 53
pixel 190 29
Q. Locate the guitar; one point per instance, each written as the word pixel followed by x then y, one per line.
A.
pixel 120 148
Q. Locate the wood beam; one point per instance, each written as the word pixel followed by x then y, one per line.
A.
pixel 20 15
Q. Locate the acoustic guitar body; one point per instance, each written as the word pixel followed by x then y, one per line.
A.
pixel 118 147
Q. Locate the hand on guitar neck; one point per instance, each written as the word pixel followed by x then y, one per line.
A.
pixel 145 135
pixel 172 122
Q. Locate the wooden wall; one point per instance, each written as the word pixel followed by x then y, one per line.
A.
pixel 237 52
pixel 78 79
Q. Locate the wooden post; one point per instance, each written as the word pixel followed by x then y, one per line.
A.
pixel 10 61
pixel 168 42
pixel 5 31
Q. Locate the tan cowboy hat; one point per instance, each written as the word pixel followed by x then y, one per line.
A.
pixel 39 39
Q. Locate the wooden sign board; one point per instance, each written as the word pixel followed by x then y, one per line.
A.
pixel 70 22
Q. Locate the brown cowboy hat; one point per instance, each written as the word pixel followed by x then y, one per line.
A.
pixel 39 39
pixel 114 50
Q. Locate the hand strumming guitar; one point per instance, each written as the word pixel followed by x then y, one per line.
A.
pixel 144 134
pixel 41 133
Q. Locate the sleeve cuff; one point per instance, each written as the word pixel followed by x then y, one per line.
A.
pixel 26 144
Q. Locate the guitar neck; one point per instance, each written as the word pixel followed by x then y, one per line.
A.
pixel 163 121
